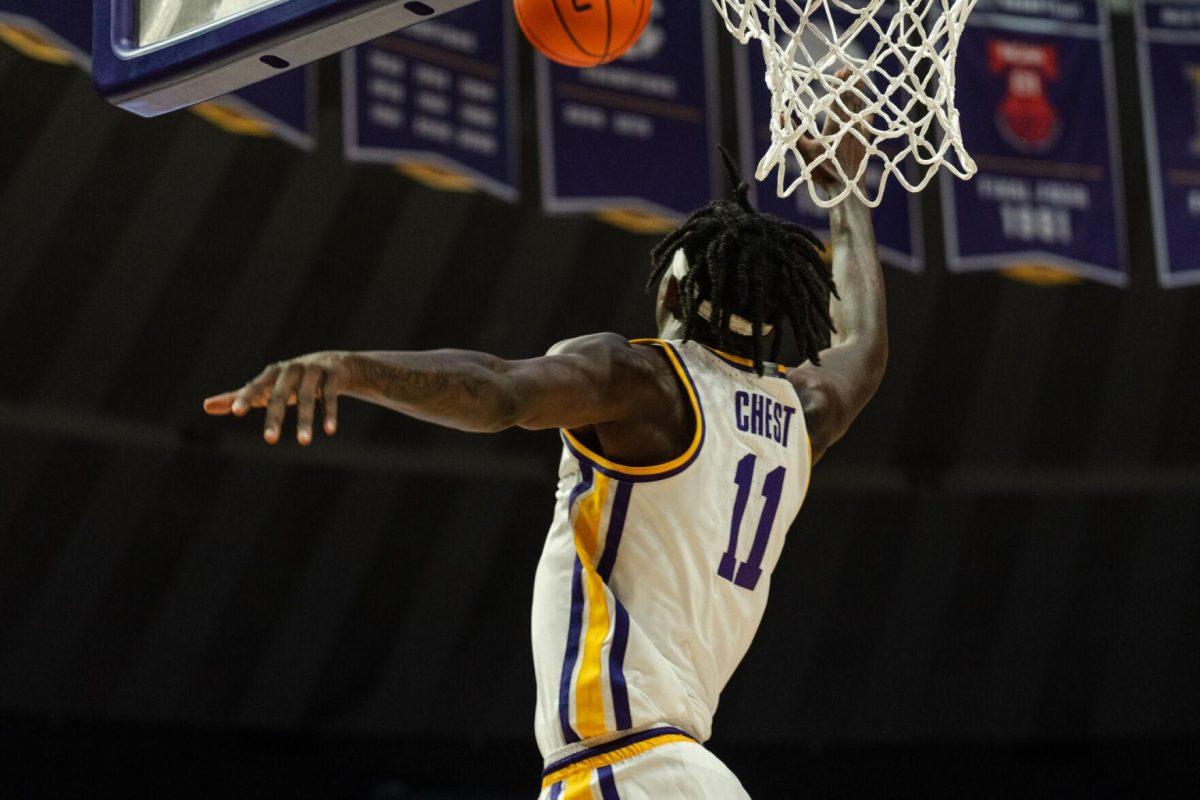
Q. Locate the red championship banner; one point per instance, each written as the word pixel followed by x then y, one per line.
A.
pixel 1035 93
pixel 1024 115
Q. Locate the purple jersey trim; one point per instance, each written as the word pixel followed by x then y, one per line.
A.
pixel 615 744
pixel 616 654
pixel 616 526
pixel 616 670
pixel 770 369
pixel 608 784
pixel 564 686
pixel 572 650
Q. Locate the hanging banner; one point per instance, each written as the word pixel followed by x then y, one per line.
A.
pixel 1039 121
pixel 438 100
pixel 1169 52
pixel 1038 116
pixel 897 218
pixel 58 32
pixel 635 140
pixel 284 106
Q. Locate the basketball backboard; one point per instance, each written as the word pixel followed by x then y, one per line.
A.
pixel 155 56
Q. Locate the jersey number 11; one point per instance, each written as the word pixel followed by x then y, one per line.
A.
pixel 746 574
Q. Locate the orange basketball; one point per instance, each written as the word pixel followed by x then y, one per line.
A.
pixel 582 33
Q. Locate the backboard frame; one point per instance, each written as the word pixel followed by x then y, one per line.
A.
pixel 184 70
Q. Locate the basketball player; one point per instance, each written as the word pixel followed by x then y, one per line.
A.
pixel 685 460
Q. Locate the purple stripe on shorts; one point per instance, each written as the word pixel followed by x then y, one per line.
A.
pixel 556 790
pixel 608 784
pixel 576 622
pixel 585 483
pixel 615 744
pixel 616 670
pixel 616 654
pixel 564 684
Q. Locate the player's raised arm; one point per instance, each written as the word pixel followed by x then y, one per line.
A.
pixel 851 369
pixel 591 380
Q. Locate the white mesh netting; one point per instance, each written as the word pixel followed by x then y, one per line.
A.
pixel 900 55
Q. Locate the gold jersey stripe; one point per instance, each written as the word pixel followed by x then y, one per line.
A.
pixel 589 697
pixel 745 362
pixel 579 787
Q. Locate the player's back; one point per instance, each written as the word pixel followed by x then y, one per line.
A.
pixel 653 580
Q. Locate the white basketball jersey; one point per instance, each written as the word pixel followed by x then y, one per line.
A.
pixel 653 580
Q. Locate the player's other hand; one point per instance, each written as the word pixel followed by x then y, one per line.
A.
pixel 300 382
pixel 850 151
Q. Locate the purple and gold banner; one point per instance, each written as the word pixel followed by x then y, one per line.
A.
pixel 1169 63
pixel 284 106
pixel 439 100
pixel 897 218
pixel 1036 95
pixel 635 140
pixel 58 32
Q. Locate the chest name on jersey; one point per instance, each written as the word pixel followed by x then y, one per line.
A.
pixel 761 415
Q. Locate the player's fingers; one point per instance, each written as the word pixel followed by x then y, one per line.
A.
pixel 840 79
pixel 826 173
pixel 849 96
pixel 252 395
pixel 331 410
pixel 285 385
pixel 306 401
pixel 813 152
pixel 219 404
pixel 809 148
pixel 335 378
pixel 855 97
pixel 255 393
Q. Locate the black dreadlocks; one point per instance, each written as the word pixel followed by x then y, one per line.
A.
pixel 750 264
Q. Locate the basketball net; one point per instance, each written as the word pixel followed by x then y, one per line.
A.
pixel 901 56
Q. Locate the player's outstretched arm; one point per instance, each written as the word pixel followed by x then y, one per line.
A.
pixel 587 381
pixel 851 370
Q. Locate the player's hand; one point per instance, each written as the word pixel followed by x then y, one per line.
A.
pixel 300 382
pixel 850 151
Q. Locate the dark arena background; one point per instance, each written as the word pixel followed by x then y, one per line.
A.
pixel 993 589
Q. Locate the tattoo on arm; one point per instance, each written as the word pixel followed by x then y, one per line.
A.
pixel 456 389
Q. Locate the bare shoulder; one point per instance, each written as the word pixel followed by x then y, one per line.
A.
pixel 642 376
pixel 654 423
pixel 616 352
pixel 591 344
pixel 822 406
pixel 834 393
pixel 809 388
